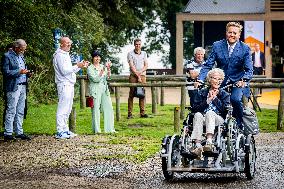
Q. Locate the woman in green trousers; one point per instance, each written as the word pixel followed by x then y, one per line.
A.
pixel 98 74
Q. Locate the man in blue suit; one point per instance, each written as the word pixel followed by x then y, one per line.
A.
pixel 234 57
pixel 15 82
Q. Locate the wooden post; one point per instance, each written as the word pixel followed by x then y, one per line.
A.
pixel 117 103
pixel 82 94
pixel 182 101
pixel 154 104
pixel 72 120
pixel 157 94
pixel 280 120
pixel 162 98
pixel 176 119
pixel 254 98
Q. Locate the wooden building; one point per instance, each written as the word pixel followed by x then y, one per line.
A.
pixel 210 17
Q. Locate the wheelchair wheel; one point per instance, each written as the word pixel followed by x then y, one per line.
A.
pixel 167 174
pixel 250 159
pixel 185 139
pixel 175 158
pixel 231 138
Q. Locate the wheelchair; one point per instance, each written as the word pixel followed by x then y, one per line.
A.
pixel 233 151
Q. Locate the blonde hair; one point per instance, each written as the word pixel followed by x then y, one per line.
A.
pixel 213 71
pixel 235 24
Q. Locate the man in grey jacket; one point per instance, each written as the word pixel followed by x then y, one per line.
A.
pixel 15 83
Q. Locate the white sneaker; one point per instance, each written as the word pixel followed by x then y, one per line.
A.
pixel 62 135
pixel 71 134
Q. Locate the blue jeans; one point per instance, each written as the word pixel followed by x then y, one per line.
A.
pixel 236 100
pixel 15 111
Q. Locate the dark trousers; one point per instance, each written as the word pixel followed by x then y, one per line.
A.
pixel 236 100
pixel 257 70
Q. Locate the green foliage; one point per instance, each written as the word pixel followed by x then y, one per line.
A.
pixel 107 25
pixel 189 41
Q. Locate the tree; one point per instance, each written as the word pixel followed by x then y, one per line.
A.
pixel 107 25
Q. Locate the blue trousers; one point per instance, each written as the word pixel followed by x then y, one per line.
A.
pixel 15 111
pixel 236 100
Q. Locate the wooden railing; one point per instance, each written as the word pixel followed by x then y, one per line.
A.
pixel 162 81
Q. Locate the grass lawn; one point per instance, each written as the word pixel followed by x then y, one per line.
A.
pixel 143 135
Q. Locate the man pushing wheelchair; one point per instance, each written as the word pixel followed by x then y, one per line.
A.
pixel 234 58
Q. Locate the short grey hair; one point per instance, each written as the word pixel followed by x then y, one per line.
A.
pixel 19 43
pixel 198 49
pixel 213 71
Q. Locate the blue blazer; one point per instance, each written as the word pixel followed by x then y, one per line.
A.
pixel 237 67
pixel 262 59
pixel 198 101
pixel 10 71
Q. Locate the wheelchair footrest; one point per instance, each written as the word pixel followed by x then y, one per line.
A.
pixel 210 154
pixel 189 155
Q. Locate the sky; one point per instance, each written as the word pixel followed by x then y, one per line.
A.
pixel 153 59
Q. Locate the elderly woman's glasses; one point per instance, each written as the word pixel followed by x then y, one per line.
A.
pixel 217 78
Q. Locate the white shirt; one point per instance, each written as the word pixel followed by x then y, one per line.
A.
pixel 257 62
pixel 64 71
pixel 231 47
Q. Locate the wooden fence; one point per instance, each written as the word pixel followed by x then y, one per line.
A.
pixel 154 81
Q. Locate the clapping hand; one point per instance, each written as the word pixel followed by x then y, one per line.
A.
pixel 83 64
pixel 86 63
pixel 101 72
pixel 212 95
pixel 108 65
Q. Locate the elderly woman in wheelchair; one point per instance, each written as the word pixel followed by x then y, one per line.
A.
pixel 209 108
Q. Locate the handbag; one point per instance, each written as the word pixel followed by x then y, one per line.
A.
pixel 250 121
pixel 139 92
pixel 90 102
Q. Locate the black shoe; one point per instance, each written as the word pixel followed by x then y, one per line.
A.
pixel 144 116
pixel 129 117
pixel 23 137
pixel 9 138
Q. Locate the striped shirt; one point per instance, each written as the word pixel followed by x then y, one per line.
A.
pixel 192 65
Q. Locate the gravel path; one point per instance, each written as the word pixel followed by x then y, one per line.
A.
pixel 48 163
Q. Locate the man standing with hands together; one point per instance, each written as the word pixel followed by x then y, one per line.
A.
pixel 65 78
pixel 138 64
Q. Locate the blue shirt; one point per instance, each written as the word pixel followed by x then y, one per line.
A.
pixel 23 77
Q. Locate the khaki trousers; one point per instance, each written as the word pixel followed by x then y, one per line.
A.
pixel 210 119
pixel 134 79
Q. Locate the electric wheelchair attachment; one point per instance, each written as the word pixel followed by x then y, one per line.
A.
pixel 233 152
